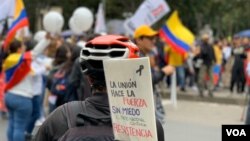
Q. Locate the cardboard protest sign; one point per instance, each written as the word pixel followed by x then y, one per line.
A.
pixel 129 86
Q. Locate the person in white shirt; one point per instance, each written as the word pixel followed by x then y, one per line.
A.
pixel 39 69
pixel 19 90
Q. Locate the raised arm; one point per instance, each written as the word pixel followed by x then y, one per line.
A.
pixel 39 48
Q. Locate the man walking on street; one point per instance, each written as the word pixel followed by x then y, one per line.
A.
pixel 207 59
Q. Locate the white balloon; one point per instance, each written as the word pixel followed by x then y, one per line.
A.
pixel 39 35
pixel 74 28
pixel 83 18
pixel 53 22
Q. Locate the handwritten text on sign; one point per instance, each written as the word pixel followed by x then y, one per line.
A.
pixel 130 94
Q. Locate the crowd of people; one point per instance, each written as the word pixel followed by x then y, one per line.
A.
pixel 211 63
pixel 51 74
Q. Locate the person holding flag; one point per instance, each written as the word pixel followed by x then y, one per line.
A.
pixel 179 40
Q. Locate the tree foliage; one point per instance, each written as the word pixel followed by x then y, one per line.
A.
pixel 224 16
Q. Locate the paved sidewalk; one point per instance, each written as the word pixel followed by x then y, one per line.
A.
pixel 222 96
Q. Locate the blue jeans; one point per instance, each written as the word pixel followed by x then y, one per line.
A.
pixel 181 76
pixel 20 109
pixel 36 102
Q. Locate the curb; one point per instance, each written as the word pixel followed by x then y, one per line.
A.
pixel 216 99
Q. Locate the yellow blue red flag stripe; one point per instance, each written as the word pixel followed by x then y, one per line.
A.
pixel 9 72
pixel 20 21
pixel 17 72
pixel 175 34
pixel 179 45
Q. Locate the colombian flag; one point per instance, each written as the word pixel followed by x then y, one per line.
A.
pixel 20 20
pixel 176 34
pixel 16 67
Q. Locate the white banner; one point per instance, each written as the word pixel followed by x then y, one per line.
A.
pixel 130 93
pixel 149 12
pixel 6 9
pixel 100 26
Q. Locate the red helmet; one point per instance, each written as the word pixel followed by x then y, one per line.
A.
pixel 105 47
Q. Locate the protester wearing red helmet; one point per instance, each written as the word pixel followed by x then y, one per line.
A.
pixel 91 60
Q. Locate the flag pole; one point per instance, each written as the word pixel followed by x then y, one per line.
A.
pixel 173 94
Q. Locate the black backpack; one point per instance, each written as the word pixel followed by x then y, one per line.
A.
pixel 84 126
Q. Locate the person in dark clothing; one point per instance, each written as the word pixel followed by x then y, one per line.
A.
pixel 97 105
pixel 238 77
pixel 61 63
pixel 207 59
pixel 78 88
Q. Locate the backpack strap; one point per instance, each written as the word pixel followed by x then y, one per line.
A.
pixel 77 115
pixel 71 110
pixel 87 118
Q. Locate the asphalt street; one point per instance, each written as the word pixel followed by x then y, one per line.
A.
pixel 199 121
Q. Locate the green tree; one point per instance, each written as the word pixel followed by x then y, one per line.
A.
pixel 226 17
